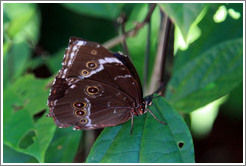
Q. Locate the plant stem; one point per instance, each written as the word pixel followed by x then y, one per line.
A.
pixel 118 39
pixel 87 140
pixel 122 21
pixel 160 62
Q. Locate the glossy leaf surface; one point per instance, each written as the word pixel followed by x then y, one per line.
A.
pixel 33 134
pixel 210 68
pixel 151 141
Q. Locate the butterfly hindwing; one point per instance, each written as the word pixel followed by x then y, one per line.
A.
pixel 89 104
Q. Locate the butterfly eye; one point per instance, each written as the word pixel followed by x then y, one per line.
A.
pixel 79 105
pixel 85 72
pixel 92 90
pixel 80 112
pixel 83 121
pixel 91 65
pixel 93 52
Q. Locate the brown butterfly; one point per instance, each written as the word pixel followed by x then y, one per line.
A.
pixel 95 88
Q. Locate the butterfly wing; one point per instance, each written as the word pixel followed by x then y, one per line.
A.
pixel 88 104
pixel 89 60
pixel 95 88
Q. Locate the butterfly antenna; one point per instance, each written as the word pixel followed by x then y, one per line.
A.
pixel 156 117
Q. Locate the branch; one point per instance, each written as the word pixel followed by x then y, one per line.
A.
pixel 161 57
pixel 122 21
pixel 111 43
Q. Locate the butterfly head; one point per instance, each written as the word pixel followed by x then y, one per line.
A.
pixel 147 101
pixel 142 109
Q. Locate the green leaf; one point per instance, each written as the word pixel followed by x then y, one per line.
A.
pixel 54 61
pixel 183 14
pixel 151 141
pixel 12 156
pixel 6 18
pixel 21 30
pixel 23 21
pixel 25 87
pixel 22 100
pixel 211 67
pixel 103 10
pixel 15 60
pixel 63 147
pixel 212 35
pixel 207 77
pixel 6 75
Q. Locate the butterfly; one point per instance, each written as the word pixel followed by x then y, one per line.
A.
pixel 95 88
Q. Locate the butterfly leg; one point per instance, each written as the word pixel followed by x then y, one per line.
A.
pixel 156 117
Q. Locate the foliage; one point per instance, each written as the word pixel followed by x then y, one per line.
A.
pixel 210 68
pixel 151 142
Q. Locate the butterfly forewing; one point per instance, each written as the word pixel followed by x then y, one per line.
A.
pixel 89 60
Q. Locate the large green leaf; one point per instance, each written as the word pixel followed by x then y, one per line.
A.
pixel 210 68
pixel 104 10
pixel 183 14
pixel 151 141
pixel 21 130
pixel 63 147
pixel 208 77
pixel 214 34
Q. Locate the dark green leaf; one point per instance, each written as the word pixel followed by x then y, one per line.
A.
pixel 6 75
pixel 210 68
pixel 22 100
pixel 104 10
pixel 235 103
pixel 15 60
pixel 27 140
pixel 183 14
pixel 151 141
pixel 63 147
pixel 6 18
pixel 215 34
pixel 12 156
pixel 207 77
